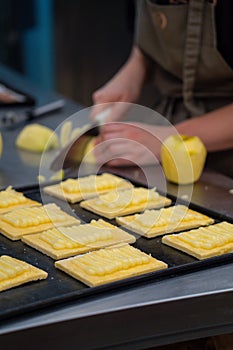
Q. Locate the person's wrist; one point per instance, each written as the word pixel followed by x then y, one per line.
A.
pixel 137 64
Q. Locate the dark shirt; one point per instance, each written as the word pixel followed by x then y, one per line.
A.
pixel 224 25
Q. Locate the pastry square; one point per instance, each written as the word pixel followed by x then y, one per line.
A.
pixel 63 242
pixel 75 190
pixel 131 201
pixel 153 223
pixel 11 199
pixel 23 221
pixel 14 272
pixel 204 242
pixel 109 265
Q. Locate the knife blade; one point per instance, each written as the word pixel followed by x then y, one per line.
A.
pixel 14 118
pixel 73 153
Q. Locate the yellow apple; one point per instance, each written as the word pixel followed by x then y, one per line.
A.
pixel 57 176
pixel 183 158
pixel 65 133
pixel 37 138
pixel 89 156
pixel 66 136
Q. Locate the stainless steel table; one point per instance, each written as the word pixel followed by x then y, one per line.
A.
pixel 178 308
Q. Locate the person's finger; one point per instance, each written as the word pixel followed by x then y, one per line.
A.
pixel 99 96
pixel 125 127
pixel 111 135
pixel 119 111
pixel 124 131
pixel 113 127
pixel 117 148
pixel 142 159
pixel 98 109
pixel 119 130
pixel 121 162
pixel 118 156
pixel 107 93
pixel 109 150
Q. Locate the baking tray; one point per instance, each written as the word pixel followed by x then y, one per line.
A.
pixel 61 288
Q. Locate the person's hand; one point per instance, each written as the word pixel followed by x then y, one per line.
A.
pixel 117 91
pixel 125 86
pixel 123 144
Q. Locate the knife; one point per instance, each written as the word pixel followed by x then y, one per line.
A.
pixel 14 118
pixel 73 153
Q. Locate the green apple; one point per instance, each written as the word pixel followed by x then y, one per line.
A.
pixel 183 158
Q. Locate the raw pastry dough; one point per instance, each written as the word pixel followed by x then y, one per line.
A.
pixel 154 223
pixel 14 272
pixel 109 265
pixel 204 242
pixel 24 221
pixel 11 199
pixel 64 242
pixel 125 202
pixel 75 190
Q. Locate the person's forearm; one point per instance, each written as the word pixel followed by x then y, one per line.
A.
pixel 215 128
pixel 138 65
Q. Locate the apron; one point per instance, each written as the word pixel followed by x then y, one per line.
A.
pixel 191 75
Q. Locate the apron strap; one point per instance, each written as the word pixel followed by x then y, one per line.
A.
pixel 192 54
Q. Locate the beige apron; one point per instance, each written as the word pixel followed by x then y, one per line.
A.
pixel 190 73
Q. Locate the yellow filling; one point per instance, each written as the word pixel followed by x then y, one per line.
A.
pixel 75 236
pixel 91 183
pixel 166 216
pixel 86 234
pixel 121 199
pixel 107 261
pixel 10 268
pixel 10 197
pixel 57 240
pixel 209 237
pixel 28 217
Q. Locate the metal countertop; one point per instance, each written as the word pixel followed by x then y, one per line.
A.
pixel 182 307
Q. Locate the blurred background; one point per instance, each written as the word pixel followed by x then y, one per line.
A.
pixel 72 47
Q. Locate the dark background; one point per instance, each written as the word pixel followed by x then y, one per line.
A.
pixel 71 46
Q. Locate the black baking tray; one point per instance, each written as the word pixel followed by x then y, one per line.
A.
pixel 61 288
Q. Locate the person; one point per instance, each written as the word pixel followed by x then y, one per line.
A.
pixel 184 48
pixel 176 47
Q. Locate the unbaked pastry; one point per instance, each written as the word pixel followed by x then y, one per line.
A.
pixel 11 199
pixel 23 221
pixel 14 272
pixel 64 242
pixel 109 265
pixel 125 202
pixel 75 190
pixel 204 242
pixel 154 223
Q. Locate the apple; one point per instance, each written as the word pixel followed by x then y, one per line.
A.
pixel 37 138
pixel 89 156
pixel 66 136
pixel 183 158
